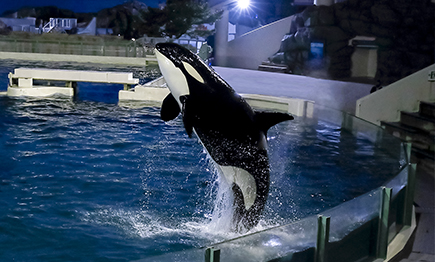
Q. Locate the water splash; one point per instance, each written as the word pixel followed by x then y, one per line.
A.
pixel 222 202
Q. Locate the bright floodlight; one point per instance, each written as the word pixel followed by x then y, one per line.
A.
pixel 243 4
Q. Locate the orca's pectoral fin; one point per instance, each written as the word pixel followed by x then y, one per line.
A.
pixel 187 116
pixel 266 120
pixel 170 108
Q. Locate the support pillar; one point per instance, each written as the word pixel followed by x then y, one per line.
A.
pixel 323 225
pixel 212 255
pixel 382 241
pixel 221 39
pixel 409 195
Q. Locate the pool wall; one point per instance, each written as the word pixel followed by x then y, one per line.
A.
pixel 372 227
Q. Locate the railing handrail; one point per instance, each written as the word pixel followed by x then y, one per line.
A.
pixel 55 22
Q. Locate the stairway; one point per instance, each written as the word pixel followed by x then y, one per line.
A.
pixel 419 129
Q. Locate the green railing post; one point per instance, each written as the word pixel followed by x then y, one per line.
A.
pixel 409 195
pixel 212 255
pixel 323 224
pixel 382 240
pixel 408 148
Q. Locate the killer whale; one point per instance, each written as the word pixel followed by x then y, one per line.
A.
pixel 233 133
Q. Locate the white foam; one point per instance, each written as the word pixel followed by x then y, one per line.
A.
pixel 133 223
pixel 212 221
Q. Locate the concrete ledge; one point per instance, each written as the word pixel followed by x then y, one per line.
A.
pixel 294 106
pixel 144 93
pixel 40 91
pixel 21 81
pixel 27 74
pixel 158 82
pixel 155 95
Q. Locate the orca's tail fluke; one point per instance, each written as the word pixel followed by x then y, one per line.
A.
pixel 245 219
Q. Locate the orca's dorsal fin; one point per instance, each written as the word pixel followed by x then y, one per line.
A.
pixel 170 108
pixel 266 120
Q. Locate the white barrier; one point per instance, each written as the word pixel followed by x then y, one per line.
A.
pixel 403 95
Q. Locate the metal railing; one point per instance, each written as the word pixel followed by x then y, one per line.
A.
pixel 73 47
pixel 193 44
pixel 143 47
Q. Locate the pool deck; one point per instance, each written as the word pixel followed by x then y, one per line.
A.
pixel 334 94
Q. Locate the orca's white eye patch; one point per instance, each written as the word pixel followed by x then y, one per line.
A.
pixel 192 71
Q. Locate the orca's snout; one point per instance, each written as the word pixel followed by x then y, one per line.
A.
pixel 172 49
pixel 158 46
pixel 169 47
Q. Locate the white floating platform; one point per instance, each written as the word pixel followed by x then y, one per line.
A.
pixel 21 81
pixel 40 91
pixel 153 91
pixel 144 93
pixel 156 90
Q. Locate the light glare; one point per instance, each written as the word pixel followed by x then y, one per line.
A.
pixel 243 4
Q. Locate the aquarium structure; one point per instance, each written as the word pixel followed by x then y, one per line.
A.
pixel 48 82
pixel 372 227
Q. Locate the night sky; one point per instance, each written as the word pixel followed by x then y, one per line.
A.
pixel 78 6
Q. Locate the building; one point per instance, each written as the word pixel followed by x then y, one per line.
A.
pixel 60 25
pixel 27 24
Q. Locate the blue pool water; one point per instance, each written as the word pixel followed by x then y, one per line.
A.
pixel 91 180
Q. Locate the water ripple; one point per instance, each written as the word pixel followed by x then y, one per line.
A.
pixel 97 180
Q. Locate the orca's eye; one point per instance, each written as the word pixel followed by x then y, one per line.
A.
pixel 192 71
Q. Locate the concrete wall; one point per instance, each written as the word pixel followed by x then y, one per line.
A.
pixel 403 95
pixel 402 30
pixel 252 48
pixel 20 24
